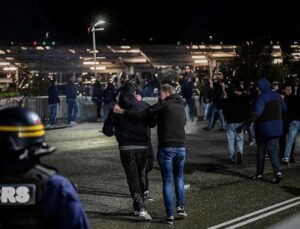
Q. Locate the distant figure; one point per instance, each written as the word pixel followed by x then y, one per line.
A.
pixel 53 101
pixel 187 94
pixel 71 95
pixel 109 99
pixel 97 98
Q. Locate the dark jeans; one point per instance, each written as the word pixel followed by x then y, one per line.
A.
pixel 134 164
pixel 72 110
pixel 53 112
pixel 99 106
pixel 271 146
pixel 192 108
pixel 171 162
pixel 149 165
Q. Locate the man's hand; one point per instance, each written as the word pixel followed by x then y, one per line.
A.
pixel 118 109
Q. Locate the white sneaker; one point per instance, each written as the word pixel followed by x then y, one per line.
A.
pixel 144 215
pixel 48 126
pixel 181 212
pixel 73 123
pixel 187 186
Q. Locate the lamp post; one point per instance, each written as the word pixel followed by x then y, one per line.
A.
pixel 94 29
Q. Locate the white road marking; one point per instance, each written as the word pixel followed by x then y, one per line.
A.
pixel 264 215
pixel 254 213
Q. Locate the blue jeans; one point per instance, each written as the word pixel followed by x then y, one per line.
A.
pixel 294 128
pixel 207 107
pixel 212 120
pixel 234 137
pixel 106 109
pixel 72 110
pixel 271 146
pixel 251 132
pixel 53 112
pixel 191 105
pixel 171 162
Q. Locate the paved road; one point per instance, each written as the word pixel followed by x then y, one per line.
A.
pixel 219 191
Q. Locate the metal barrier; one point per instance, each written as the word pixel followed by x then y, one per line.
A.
pixel 87 109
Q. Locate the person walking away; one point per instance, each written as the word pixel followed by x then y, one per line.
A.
pixel 71 96
pixel 97 98
pixel 109 99
pixel 53 101
pixel 268 117
pixel 169 115
pixel 132 138
pixel 236 110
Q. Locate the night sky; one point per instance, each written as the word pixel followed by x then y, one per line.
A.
pixel 24 21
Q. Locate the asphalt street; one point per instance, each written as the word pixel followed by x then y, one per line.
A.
pixel 219 191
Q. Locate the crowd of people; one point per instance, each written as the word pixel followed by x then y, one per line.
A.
pixel 267 112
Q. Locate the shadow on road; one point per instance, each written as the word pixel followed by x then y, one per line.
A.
pixel 96 191
pixel 291 190
pixel 191 167
pixel 121 216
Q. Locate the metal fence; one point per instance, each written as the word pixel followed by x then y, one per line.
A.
pixel 87 109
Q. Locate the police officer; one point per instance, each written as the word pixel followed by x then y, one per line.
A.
pixel 32 195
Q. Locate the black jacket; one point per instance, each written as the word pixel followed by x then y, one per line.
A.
pixel 71 91
pixel 169 116
pixel 128 131
pixel 236 108
pixel 53 95
pixel 293 111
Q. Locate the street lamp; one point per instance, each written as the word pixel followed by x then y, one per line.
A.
pixel 94 29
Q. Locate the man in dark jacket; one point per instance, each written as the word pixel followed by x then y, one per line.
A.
pixel 97 98
pixel 236 110
pixel 109 99
pixel 267 115
pixel 169 115
pixel 187 94
pixel 71 95
pixel 53 101
pixel 132 137
pixel 206 96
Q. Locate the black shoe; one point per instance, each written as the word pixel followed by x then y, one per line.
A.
pixel 206 128
pixel 222 129
pixel 169 220
pixel 239 158
pixel 277 178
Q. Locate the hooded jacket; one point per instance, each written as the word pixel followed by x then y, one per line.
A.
pixel 268 112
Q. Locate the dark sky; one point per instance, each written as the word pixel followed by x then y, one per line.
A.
pixel 166 22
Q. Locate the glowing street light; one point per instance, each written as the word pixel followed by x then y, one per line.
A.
pixel 94 29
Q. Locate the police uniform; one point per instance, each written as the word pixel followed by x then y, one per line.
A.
pixel 32 195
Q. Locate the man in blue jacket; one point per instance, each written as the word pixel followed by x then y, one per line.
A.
pixel 267 114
